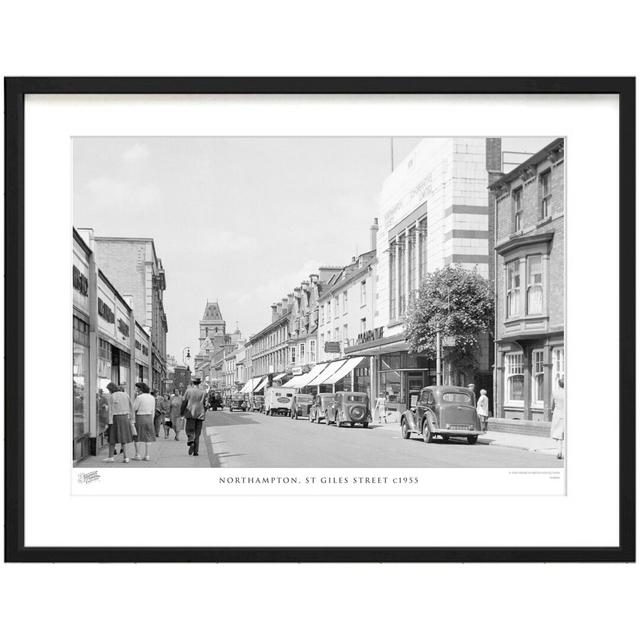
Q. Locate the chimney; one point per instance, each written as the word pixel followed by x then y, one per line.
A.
pixel 285 305
pixel 314 278
pixel 374 233
pixel 274 312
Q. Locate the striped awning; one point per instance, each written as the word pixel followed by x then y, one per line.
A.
pixel 280 376
pixel 347 367
pixel 329 370
pixel 302 381
pixel 262 385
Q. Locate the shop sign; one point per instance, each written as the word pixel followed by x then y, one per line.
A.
pixel 332 347
pixel 296 371
pixel 371 335
pixel 124 327
pixel 106 312
pixel 80 282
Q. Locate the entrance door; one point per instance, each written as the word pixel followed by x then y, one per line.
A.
pixel 415 382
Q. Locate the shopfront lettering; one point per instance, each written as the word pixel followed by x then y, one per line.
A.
pixel 106 312
pixel 124 327
pixel 80 282
pixel 372 334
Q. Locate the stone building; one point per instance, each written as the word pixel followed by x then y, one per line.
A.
pixel 134 268
pixel 530 293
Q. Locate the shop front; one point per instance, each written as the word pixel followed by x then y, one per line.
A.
pixel 142 346
pixel 81 351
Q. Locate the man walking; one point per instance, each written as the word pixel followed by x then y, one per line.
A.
pixel 194 414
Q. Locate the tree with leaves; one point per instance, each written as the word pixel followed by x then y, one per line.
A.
pixel 459 302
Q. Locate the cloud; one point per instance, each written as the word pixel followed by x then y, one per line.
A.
pixel 106 193
pixel 136 153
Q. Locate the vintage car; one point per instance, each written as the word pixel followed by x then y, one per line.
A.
pixel 214 401
pixel 349 408
pixel 443 411
pixel 256 403
pixel 277 401
pixel 321 403
pixel 301 405
pixel 238 401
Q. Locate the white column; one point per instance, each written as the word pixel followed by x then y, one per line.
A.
pixel 407 240
pixel 397 268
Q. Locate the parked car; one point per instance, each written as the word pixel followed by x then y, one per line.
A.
pixel 256 403
pixel 443 411
pixel 238 401
pixel 320 405
pixel 277 401
pixel 301 405
pixel 349 407
pixel 214 401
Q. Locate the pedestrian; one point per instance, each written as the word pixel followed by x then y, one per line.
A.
pixel 160 411
pixel 194 414
pixel 165 406
pixel 482 408
pixel 144 409
pixel 557 420
pixel 472 388
pixel 381 408
pixel 120 415
pixel 174 413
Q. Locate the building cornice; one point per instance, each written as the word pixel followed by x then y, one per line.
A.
pixel 522 241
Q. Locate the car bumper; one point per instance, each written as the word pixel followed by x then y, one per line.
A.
pixel 458 432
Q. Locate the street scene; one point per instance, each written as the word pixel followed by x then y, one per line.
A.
pixel 319 303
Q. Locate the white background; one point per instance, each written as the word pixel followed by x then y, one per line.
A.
pixel 332 39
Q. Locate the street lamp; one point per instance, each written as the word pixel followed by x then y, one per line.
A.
pixel 186 356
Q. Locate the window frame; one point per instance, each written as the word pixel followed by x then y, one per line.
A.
pixel 530 285
pixel 508 291
pixel 517 197
pixel 545 197
pixel 509 373
pixel 537 357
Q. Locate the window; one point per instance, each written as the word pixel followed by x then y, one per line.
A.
pixel 517 210
pixel 312 351
pixel 513 289
pixel 402 276
pixel 392 280
pixel 363 293
pixel 345 299
pixel 363 325
pixel 336 307
pixel 514 378
pixel 321 314
pixel 301 352
pixel 545 194
pixel 293 354
pixel 557 365
pixel 537 371
pixel 534 285
pixel 422 235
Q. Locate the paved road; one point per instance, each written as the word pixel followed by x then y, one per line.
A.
pixel 255 440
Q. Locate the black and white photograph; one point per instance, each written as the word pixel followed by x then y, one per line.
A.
pixel 319 303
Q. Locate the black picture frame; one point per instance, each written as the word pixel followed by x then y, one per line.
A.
pixel 15 91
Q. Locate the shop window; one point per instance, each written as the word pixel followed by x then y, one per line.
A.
pixel 517 210
pixel 557 365
pixel 534 285
pixel 513 289
pixel 545 194
pixel 80 390
pixel 537 372
pixel 514 378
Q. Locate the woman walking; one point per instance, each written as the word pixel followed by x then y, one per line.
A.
pixel 557 420
pixel 174 413
pixel 144 408
pixel 482 408
pixel 381 408
pixel 194 413
pixel 120 414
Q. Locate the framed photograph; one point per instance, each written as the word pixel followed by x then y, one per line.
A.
pixel 320 319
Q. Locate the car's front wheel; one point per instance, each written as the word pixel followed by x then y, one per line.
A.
pixel 472 439
pixel 427 434
pixel 406 434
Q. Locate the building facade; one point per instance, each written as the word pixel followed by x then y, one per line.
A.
pixel 135 269
pixel 529 263
pixel 434 211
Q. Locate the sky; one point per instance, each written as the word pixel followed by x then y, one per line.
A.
pixel 237 220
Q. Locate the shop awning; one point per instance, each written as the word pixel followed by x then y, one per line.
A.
pixel 294 383
pixel 302 381
pixel 331 368
pixel 347 367
pixel 280 376
pixel 247 387
pixel 262 385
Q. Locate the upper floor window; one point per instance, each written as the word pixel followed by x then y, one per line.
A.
pixel 345 300
pixel 534 285
pixel 517 210
pixel 363 325
pixel 513 289
pixel 545 194
pixel 301 352
pixel 363 293
pixel 312 351
pixel 293 354
pixel 336 306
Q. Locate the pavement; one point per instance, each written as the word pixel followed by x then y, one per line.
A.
pixel 535 444
pixel 164 453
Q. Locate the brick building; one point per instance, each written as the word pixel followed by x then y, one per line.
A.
pixel 133 266
pixel 530 294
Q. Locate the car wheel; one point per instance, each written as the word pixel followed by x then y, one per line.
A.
pixel 353 424
pixel 472 439
pixel 406 434
pixel 365 425
pixel 445 438
pixel 427 434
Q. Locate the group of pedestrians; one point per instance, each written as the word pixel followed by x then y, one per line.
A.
pixel 140 422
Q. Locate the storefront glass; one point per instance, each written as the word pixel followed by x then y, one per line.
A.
pixel 124 369
pixel 80 378
pixel 104 378
pixel 362 380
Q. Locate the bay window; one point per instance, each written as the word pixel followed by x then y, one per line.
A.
pixel 534 285
pixel 513 289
